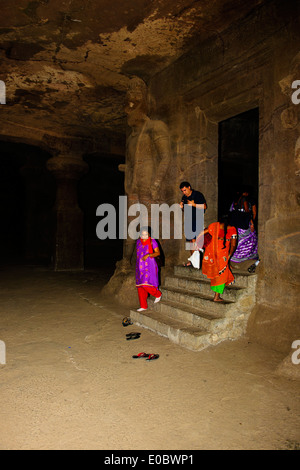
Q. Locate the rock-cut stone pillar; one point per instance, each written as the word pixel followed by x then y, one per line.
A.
pixel 69 239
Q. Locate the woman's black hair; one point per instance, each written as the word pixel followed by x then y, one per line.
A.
pixel 236 197
pixel 224 220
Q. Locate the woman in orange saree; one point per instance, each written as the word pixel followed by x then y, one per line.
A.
pixel 215 264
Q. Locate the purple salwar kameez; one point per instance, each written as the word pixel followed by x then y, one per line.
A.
pixel 146 271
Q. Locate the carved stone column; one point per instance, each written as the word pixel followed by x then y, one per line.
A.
pixel 69 243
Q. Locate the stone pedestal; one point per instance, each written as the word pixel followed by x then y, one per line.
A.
pixel 69 242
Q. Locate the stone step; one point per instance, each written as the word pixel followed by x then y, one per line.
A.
pixel 189 315
pixel 192 299
pixel 201 286
pixel 190 337
pixel 242 279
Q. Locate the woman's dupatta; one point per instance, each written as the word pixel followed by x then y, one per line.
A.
pixel 148 242
pixel 210 264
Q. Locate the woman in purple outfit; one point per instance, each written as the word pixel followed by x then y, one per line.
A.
pixel 242 214
pixel 147 280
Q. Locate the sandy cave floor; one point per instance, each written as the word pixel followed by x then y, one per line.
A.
pixel 70 381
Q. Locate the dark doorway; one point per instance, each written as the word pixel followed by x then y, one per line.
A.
pixel 27 195
pixel 103 184
pixel 238 158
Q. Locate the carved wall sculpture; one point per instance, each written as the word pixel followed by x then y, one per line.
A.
pixel 290 117
pixel 148 162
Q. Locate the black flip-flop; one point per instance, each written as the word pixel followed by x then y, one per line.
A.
pixel 133 336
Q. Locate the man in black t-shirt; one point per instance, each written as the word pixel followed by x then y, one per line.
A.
pixel 197 201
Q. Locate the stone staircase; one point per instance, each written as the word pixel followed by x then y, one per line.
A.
pixel 188 316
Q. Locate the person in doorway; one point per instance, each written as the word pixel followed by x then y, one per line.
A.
pixel 147 280
pixel 197 201
pixel 242 215
pixel 217 255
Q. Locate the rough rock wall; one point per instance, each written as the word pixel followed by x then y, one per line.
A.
pixel 222 78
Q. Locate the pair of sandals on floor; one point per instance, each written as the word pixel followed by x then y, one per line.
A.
pixel 149 357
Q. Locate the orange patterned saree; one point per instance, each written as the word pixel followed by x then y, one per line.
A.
pixel 215 261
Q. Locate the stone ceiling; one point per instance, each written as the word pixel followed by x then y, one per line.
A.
pixel 67 63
